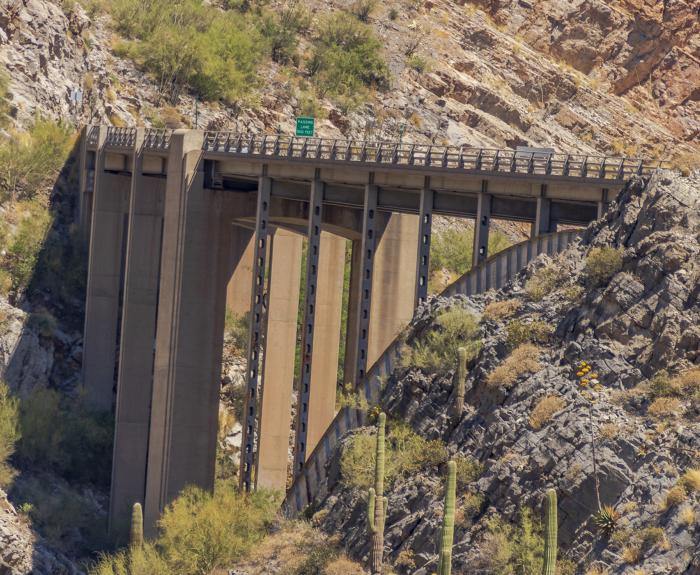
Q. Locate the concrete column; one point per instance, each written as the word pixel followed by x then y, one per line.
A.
pixel 324 370
pixel 138 334
pixel 257 331
pixel 238 292
pixel 394 276
pixel 425 223
pixel 481 226
pixel 351 332
pixel 308 323
pixel 187 376
pixel 603 203
pixel 107 247
pixel 280 349
pixel 543 221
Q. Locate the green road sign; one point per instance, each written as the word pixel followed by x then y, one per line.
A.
pixel 306 127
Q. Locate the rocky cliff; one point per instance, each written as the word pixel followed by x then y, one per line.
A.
pixel 629 431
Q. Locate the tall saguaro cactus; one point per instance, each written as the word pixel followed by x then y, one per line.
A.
pixel 448 521
pixel 136 536
pixel 550 534
pixel 377 504
pixel 461 380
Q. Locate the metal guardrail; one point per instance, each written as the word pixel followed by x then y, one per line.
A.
pixel 93 136
pixel 121 137
pixel 494 273
pixel 454 158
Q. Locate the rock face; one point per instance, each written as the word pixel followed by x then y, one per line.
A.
pixel 640 322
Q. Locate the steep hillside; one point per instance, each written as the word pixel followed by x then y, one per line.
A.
pixel 617 77
pixel 624 434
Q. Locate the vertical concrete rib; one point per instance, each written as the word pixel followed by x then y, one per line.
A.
pixel 138 334
pixel 324 370
pixel 280 348
pixel 393 295
pixel 238 292
pixel 424 236
pixel 313 258
pixel 354 298
pixel 603 203
pixel 543 222
pixel 369 225
pixel 187 374
pixel 257 330
pixel 481 226
pixel 109 220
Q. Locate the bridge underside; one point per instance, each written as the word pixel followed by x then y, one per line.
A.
pixel 178 234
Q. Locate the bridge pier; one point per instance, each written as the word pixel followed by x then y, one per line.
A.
pixel 109 223
pixel 238 292
pixel 278 360
pixel 138 334
pixel 543 222
pixel 194 274
pixel 482 225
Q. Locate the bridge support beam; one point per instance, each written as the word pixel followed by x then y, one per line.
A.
pixel 238 291
pixel 105 271
pixel 481 226
pixel 603 203
pixel 424 235
pixel 258 309
pixel 352 325
pixel 194 274
pixel 324 370
pixel 138 334
pixel 543 222
pixel 88 172
pixel 308 324
pixel 280 348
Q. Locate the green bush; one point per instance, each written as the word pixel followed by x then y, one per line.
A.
pixel 236 328
pixel 200 533
pixel 282 27
pixel 519 332
pixel 514 549
pixel 188 44
pixel 362 9
pixel 9 432
pixel 544 281
pixel 468 470
pixel 29 160
pixel 406 453
pixel 602 264
pixel 5 106
pixel 63 436
pixel 417 63
pixel 347 58
pixel 451 251
pixel 436 350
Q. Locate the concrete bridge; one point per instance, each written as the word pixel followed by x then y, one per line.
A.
pixel 182 224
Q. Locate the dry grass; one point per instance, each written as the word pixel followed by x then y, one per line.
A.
pixel 665 407
pixel 406 559
pixel 609 431
pixel 544 281
pixel 545 410
pixel 687 516
pixel 675 496
pixel 597 570
pixel 343 566
pixel 524 360
pixel 691 480
pixel 499 310
pixel 602 264
pixel 632 554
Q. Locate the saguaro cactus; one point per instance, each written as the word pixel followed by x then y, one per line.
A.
pixel 550 534
pixel 461 379
pixel 377 504
pixel 448 521
pixel 136 536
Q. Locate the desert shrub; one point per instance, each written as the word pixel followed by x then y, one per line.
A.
pixel 139 561
pixel 347 58
pixel 236 328
pixel 25 245
pixel 451 250
pixel 687 516
pixel 468 470
pixel 5 106
pixel 436 349
pixel 343 566
pixel 632 554
pixel 362 9
pixel 9 432
pixel 42 322
pixel 690 480
pixel 686 163
pixel 29 160
pixel 545 410
pixel 417 63
pixel 652 536
pixel 601 265
pixel 64 436
pixel 406 453
pixel 665 407
pixel 406 560
pixel 189 44
pixel 683 385
pixel 674 496
pixel 513 549
pixel 519 332
pixel 200 532
pixel 499 310
pixel 282 27
pixel 524 360
pixel 544 281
